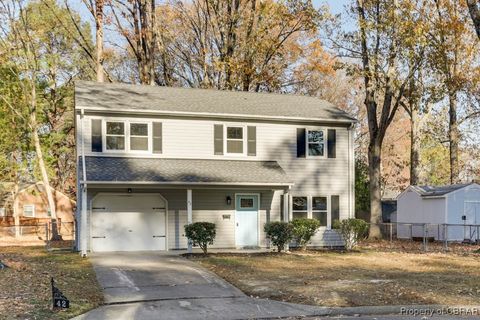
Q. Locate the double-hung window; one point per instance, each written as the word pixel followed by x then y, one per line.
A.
pixel 312 207
pixel 299 207
pixel 235 140
pixel 139 136
pixel 29 210
pixel 115 135
pixel 320 210
pixel 315 143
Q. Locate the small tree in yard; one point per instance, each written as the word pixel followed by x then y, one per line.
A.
pixel 201 234
pixel 303 230
pixel 352 231
pixel 280 233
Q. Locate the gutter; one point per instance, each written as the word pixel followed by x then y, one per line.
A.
pixel 181 183
pixel 219 115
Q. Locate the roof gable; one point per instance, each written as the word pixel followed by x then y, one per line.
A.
pixel 117 97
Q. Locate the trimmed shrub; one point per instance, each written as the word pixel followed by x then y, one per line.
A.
pixel 303 230
pixel 201 234
pixel 352 231
pixel 280 233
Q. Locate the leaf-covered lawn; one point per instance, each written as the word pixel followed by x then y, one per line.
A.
pixel 25 287
pixel 353 279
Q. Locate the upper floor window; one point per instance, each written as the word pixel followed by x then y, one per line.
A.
pixel 139 136
pixel 115 135
pixel 235 140
pixel 315 143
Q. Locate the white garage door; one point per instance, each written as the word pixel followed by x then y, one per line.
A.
pixel 130 222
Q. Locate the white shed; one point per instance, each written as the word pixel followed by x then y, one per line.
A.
pixel 457 205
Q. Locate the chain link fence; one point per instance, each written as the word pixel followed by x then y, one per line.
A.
pixel 430 237
pixel 52 235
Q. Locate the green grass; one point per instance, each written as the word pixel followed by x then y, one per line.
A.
pixel 25 291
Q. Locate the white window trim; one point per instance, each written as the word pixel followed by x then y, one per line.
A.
pixel 33 210
pixel 104 136
pixel 329 214
pixel 325 151
pixel 244 139
pixel 310 208
pixel 302 211
pixel 127 136
pixel 149 137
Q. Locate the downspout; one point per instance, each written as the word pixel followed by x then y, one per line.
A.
pixel 351 172
pixel 83 185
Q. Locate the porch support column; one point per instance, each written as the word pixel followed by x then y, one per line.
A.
pixel 189 215
pixel 286 206
pixel 286 212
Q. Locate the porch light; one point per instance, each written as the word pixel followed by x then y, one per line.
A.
pixel 229 200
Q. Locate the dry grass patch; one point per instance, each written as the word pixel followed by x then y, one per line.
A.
pixel 25 291
pixel 353 279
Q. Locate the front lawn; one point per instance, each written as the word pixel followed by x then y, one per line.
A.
pixel 25 287
pixel 353 279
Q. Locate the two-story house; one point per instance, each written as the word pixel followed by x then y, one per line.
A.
pixel 153 159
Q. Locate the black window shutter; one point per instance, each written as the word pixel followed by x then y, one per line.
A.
pixel 218 139
pixel 332 143
pixel 282 206
pixel 252 141
pixel 335 205
pixel 157 137
pixel 97 135
pixel 301 143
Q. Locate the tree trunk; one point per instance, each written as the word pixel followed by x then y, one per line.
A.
pixel 414 146
pixel 374 172
pixel 16 216
pixel 41 162
pixel 474 14
pixel 453 137
pixel 99 39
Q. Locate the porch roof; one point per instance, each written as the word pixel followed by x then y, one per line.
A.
pixel 114 170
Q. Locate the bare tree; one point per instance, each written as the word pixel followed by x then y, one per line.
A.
pixel 473 8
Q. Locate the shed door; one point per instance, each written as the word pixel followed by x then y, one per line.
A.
pixel 472 215
pixel 129 222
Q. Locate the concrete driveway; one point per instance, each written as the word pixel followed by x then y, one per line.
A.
pixel 154 285
pixel 148 276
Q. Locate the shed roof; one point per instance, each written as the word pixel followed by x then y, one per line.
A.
pixel 116 97
pixel 437 191
pixel 184 171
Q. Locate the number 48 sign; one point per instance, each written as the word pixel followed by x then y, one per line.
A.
pixel 59 300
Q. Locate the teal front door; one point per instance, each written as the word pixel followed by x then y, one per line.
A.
pixel 246 221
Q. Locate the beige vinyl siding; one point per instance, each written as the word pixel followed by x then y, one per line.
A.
pixel 190 138
pixel 208 206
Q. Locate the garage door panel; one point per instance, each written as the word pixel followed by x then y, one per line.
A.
pixel 128 223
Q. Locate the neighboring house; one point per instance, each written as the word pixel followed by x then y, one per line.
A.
pixel 32 204
pixel 456 205
pixel 153 159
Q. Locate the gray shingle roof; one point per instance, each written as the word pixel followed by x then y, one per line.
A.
pixel 188 171
pixel 170 100
pixel 434 191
